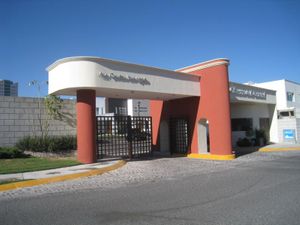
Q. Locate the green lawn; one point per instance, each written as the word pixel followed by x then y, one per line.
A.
pixel 20 165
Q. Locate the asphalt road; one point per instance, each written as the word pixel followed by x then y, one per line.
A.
pixel 248 192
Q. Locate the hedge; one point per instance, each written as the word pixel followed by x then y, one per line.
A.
pixel 47 144
pixel 11 152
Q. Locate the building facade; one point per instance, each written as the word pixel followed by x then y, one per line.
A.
pixel 8 88
pixel 180 100
pixel 272 108
pixel 195 109
pixel 253 109
pixel 287 123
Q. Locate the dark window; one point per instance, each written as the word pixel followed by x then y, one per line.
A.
pixel 284 114
pixel 117 106
pixel 290 96
pixel 241 124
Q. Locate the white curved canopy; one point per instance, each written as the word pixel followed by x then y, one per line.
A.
pixel 117 79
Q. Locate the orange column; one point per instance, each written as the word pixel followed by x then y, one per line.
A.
pixel 86 126
pixel 215 106
pixel 218 109
pixel 156 108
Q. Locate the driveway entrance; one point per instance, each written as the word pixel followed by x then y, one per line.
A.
pixel 123 136
pixel 194 92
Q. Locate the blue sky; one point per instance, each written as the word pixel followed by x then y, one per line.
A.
pixel 261 38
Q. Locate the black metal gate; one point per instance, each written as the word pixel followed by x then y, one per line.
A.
pixel 123 136
pixel 179 135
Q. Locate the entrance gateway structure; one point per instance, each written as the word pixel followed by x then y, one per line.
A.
pixel 193 101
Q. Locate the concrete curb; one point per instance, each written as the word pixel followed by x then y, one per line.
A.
pixel 211 157
pixel 30 183
pixel 279 149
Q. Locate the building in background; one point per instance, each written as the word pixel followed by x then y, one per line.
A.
pixel 252 109
pixel 273 107
pixel 287 123
pixel 124 107
pixel 8 88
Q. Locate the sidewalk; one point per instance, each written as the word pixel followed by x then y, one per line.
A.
pixel 56 175
pixel 280 147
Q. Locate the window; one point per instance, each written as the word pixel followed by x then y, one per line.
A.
pixel 290 96
pixel 285 114
pixel 97 110
pixel 241 124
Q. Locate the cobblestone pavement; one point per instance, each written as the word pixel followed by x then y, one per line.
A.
pixel 143 171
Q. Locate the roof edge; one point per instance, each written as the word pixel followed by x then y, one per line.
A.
pixel 205 64
pixel 95 59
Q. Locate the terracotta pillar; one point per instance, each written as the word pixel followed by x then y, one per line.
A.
pixel 215 107
pixel 86 126
pixel 156 109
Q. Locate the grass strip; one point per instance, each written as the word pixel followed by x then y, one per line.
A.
pixel 21 165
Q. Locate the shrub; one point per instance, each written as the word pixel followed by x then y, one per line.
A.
pixel 243 142
pixel 11 152
pixel 47 144
pixel 260 134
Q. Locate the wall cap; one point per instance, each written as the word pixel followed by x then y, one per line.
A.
pixel 203 65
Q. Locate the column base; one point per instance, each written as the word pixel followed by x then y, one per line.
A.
pixel 211 156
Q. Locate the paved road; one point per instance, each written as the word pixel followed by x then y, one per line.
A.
pixel 261 188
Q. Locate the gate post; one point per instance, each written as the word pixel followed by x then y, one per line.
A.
pixel 129 136
pixel 86 126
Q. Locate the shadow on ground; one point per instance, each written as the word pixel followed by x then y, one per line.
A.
pixel 241 151
pixel 144 157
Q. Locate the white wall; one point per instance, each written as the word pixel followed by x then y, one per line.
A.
pixel 279 87
pixel 130 107
pixel 282 87
pixel 100 103
pixel 274 124
pixel 298 130
pixel 119 80
pixel 286 123
pixel 295 88
pixel 254 111
pixel 277 126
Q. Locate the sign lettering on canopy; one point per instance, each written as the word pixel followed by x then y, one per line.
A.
pixel 247 92
pixel 124 78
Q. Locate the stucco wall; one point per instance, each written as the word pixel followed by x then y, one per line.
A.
pixel 254 111
pixel 298 130
pixel 282 87
pixel 288 123
pixel 19 117
pixel 295 88
pixel 279 87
